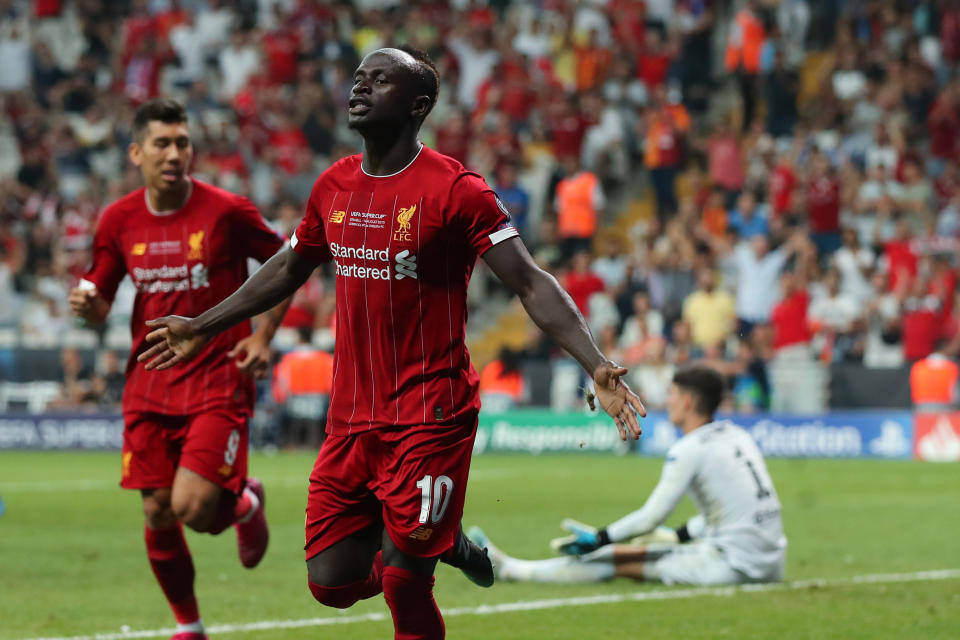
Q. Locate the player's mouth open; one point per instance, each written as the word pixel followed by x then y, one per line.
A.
pixel 359 106
pixel 170 175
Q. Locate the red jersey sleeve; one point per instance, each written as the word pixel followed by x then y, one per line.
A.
pixel 108 267
pixel 481 213
pixel 261 242
pixel 310 239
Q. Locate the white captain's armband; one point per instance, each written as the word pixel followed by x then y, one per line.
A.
pixel 506 232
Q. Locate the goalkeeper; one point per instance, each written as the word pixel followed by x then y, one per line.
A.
pixel 737 537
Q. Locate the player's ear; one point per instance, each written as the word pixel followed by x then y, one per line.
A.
pixel 135 153
pixel 421 106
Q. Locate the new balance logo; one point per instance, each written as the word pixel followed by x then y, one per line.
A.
pixel 406 265
pixel 422 534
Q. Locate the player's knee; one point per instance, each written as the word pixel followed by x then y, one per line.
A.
pixel 336 597
pixel 195 511
pixel 157 510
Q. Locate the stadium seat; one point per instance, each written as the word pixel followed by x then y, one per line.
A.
pixel 118 338
pixel 32 397
pixel 81 339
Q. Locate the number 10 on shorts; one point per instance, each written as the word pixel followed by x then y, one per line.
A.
pixel 434 497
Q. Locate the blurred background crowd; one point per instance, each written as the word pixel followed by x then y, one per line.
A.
pixel 772 187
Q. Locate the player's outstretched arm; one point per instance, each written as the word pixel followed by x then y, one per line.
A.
pixel 179 338
pixel 554 311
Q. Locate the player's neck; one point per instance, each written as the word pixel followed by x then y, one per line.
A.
pixel 169 200
pixel 693 423
pixel 385 156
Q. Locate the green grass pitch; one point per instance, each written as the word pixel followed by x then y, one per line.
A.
pixel 72 561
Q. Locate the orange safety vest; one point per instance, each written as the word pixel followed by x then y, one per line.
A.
pixel 303 372
pixel 745 43
pixel 933 380
pixel 493 380
pixel 576 215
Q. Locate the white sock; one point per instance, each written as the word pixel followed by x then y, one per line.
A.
pixel 558 570
pixel 254 505
pixel 193 627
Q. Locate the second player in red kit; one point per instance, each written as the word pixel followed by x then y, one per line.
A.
pixel 185 245
pixel 404 226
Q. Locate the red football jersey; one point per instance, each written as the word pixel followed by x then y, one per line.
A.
pixel 404 247
pixel 182 263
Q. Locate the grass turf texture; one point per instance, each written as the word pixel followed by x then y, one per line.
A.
pixel 72 560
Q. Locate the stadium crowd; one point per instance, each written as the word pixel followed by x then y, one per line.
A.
pixel 796 162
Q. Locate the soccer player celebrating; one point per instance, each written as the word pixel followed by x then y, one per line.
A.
pixel 737 536
pixel 185 244
pixel 404 225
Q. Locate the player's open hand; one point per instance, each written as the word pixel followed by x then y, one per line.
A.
pixel 176 340
pixel 617 399
pixel 253 356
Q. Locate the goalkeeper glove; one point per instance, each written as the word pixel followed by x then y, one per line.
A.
pixel 582 539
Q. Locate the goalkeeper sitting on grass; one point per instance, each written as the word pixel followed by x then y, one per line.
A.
pixel 737 537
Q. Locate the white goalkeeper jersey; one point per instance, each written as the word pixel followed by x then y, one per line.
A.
pixel 721 468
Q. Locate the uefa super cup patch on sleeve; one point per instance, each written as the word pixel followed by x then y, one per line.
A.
pixel 502 207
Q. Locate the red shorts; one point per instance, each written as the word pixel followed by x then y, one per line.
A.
pixel 212 444
pixel 412 481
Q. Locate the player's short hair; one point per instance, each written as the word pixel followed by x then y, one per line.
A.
pixel 705 384
pixel 165 110
pixel 428 78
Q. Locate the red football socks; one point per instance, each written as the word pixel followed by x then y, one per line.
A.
pixel 172 565
pixel 415 612
pixel 346 595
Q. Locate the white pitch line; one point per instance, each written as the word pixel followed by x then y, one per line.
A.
pixel 286 482
pixel 554 603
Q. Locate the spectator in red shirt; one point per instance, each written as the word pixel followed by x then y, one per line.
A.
pixel 139 25
pixel 944 124
pixel 518 97
pixel 783 182
pixel 921 322
pixel 901 261
pixel 581 283
pixel 789 317
pixel 305 304
pixel 823 205
pixel 286 142
pixel 503 141
pixel 654 61
pixel 943 283
pixel 567 127
pixel 282 49
pixel 725 161
pixel 950 33
pixel 141 77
